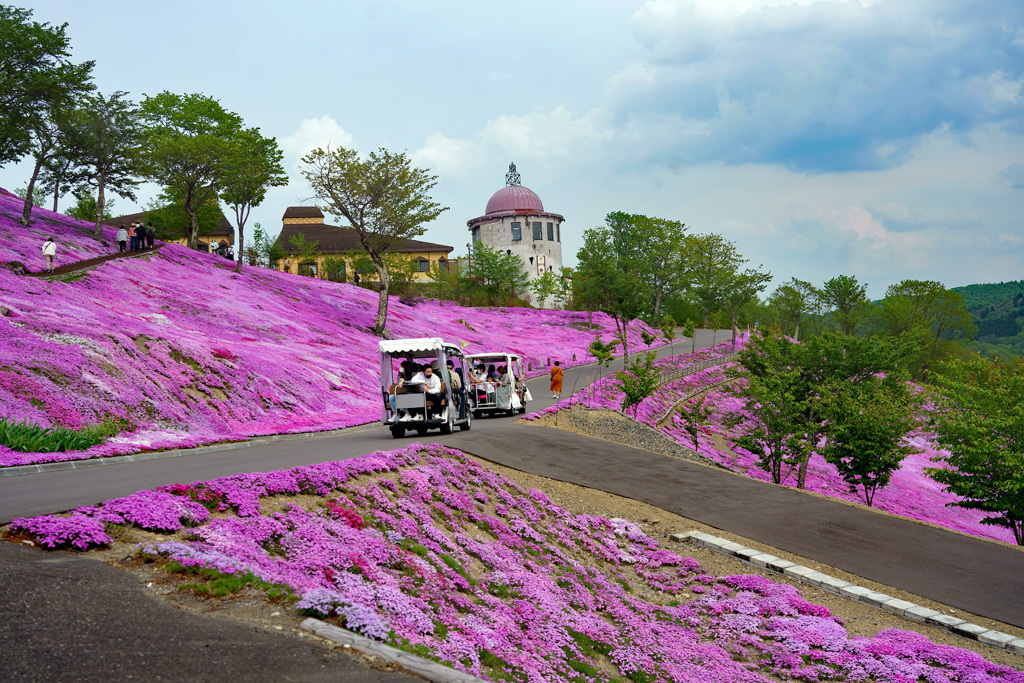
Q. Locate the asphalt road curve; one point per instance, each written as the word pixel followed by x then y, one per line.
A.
pixel 975 575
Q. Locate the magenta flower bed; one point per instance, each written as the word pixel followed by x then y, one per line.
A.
pixel 424 547
pixel 192 353
pixel 910 493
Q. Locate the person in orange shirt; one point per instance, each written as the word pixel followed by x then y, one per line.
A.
pixel 556 380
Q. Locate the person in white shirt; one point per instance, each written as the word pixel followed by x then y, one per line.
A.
pixel 431 387
pixel 122 239
pixel 49 251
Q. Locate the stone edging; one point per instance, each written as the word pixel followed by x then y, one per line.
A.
pixel 860 594
pixel 430 670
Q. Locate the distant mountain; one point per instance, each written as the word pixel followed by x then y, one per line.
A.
pixel 998 311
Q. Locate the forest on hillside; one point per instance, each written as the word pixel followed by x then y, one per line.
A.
pixel 997 309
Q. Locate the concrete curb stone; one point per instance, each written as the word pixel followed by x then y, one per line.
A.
pixel 903 608
pixel 430 670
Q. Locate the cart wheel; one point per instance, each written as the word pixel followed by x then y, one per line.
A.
pixel 510 412
pixel 467 424
pixel 449 425
pixel 420 430
pixel 522 410
pixel 398 431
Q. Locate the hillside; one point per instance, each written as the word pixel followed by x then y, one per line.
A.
pixel 190 352
pixel 997 309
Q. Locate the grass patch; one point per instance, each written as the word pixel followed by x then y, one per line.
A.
pixel 216 583
pixel 30 437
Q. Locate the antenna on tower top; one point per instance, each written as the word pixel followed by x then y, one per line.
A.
pixel 512 177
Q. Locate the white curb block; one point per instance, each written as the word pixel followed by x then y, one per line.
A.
pixel 860 594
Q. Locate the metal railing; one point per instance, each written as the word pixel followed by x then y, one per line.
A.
pixel 679 373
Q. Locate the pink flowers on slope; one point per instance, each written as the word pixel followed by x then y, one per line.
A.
pixel 426 548
pixel 192 353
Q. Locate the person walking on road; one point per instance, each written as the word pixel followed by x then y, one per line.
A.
pixel 50 252
pixel 556 380
pixel 122 239
pixel 140 236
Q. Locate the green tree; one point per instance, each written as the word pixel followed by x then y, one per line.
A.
pixel 792 301
pixel 867 423
pixel 690 330
pixel 109 133
pixel 694 415
pixel 926 304
pixel 654 249
pixel 188 141
pixel 607 278
pixel 545 287
pixel 846 298
pixel 637 381
pixel 800 375
pixel 715 261
pixel 563 297
pixel 85 207
pixel 742 287
pixel 302 250
pixel 252 165
pixel 667 327
pixel 37 78
pixel 263 251
pixel 38 195
pixel 171 221
pixel 979 419
pixel 501 272
pixel 384 199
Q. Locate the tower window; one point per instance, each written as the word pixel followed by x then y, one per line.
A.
pixel 558 232
pixel 517 232
pixel 538 231
pixel 551 232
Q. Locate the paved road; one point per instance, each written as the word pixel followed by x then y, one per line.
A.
pixel 49 492
pixel 978 576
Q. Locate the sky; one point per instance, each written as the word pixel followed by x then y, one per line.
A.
pixel 877 138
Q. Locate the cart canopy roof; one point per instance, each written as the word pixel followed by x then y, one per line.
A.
pixel 421 345
pixel 497 355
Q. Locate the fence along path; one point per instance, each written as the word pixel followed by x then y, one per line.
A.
pixel 679 373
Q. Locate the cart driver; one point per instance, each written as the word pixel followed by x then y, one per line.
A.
pixel 431 386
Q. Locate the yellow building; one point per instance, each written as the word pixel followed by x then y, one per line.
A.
pixel 340 243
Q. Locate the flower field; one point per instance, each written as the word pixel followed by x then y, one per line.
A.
pixel 910 493
pixel 428 550
pixel 190 352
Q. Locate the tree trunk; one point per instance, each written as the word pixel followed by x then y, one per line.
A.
pixel 26 211
pixel 380 326
pixel 101 202
pixel 796 331
pixel 56 194
pixel 801 476
pixel 657 305
pixel 241 243
pixel 735 330
pixel 193 228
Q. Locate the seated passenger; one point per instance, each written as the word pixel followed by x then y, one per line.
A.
pixel 431 384
pixel 492 374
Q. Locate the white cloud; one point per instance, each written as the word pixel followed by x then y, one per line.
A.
pixel 556 135
pixel 446 155
pixel 311 134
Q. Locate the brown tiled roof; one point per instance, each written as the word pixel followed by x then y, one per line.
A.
pixel 302 212
pixel 223 225
pixel 332 239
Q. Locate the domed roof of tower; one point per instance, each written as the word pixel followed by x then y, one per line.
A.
pixel 514 198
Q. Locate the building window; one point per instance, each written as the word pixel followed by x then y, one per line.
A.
pixel 307 268
pixel 476 234
pixel 424 264
pixel 538 231
pixel 558 232
pixel 443 265
pixel 517 232
pixel 551 232
pixel 531 260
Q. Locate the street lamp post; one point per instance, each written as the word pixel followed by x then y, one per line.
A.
pixel 469 270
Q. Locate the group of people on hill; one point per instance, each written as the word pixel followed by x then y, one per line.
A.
pixel 141 237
